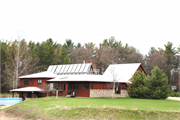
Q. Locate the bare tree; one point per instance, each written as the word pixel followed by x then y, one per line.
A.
pixel 46 88
pixel 115 79
pixel 86 52
pixel 19 61
pixel 105 56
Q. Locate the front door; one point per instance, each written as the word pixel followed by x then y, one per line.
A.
pixel 69 89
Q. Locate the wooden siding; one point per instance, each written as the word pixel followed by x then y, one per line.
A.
pixel 123 86
pixel 33 82
pixel 81 92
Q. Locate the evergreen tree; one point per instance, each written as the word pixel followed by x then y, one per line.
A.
pixel 63 57
pixel 46 54
pixel 136 86
pixel 78 45
pixel 155 86
pixel 111 42
pixel 67 60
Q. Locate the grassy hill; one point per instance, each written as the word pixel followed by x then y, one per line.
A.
pixel 95 108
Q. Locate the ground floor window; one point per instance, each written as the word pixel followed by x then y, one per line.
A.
pixel 61 87
pixel 85 85
pixel 117 88
pixel 92 85
pixel 74 86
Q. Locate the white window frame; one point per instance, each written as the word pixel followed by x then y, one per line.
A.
pixel 39 81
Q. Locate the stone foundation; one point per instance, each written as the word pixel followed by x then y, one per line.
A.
pixel 106 93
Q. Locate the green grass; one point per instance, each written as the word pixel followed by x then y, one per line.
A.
pixel 96 108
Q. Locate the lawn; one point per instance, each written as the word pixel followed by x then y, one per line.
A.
pixel 96 108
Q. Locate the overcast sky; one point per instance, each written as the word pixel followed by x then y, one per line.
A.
pixel 140 23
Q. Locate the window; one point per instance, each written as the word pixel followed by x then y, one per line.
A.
pixel 61 87
pixel 26 82
pixel 86 86
pixel 92 85
pixel 75 86
pixel 117 88
pixel 39 82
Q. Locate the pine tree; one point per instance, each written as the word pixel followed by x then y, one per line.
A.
pixel 46 54
pixel 63 57
pixel 136 86
pixel 67 60
pixel 156 85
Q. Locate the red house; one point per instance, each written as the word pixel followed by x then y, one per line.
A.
pixel 79 80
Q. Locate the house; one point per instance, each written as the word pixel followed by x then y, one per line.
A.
pixel 82 80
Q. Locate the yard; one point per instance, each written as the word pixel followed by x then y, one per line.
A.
pixel 95 108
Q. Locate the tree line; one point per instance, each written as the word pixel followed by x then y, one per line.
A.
pixel 21 58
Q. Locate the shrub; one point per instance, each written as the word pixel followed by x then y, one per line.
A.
pixel 151 87
pixel 155 86
pixel 177 94
pixel 135 89
pixel 173 94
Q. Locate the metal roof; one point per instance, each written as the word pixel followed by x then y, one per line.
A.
pixel 45 74
pixel 122 74
pixel 27 89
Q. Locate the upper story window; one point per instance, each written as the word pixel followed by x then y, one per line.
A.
pixel 39 82
pixel 26 82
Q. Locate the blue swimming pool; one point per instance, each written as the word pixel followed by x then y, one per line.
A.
pixel 10 101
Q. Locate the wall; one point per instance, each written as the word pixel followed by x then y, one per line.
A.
pixel 106 93
pixel 33 82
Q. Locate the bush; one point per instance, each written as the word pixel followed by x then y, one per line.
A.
pixel 177 94
pixel 155 86
pixel 151 87
pixel 135 89
pixel 173 94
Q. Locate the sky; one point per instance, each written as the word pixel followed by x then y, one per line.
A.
pixel 140 23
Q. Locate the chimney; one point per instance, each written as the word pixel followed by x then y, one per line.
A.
pixel 84 61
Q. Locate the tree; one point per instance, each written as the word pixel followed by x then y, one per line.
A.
pixel 178 49
pixel 111 42
pixel 136 85
pixel 4 84
pixel 170 52
pixel 115 79
pixel 169 49
pixel 63 57
pixel 105 56
pixel 46 88
pixel 151 51
pixel 78 45
pixel 32 50
pixel 156 59
pixel 156 86
pixel 86 52
pixel 46 54
pixel 18 63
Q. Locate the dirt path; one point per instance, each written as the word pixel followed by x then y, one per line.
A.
pixel 5 116
pixel 174 98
